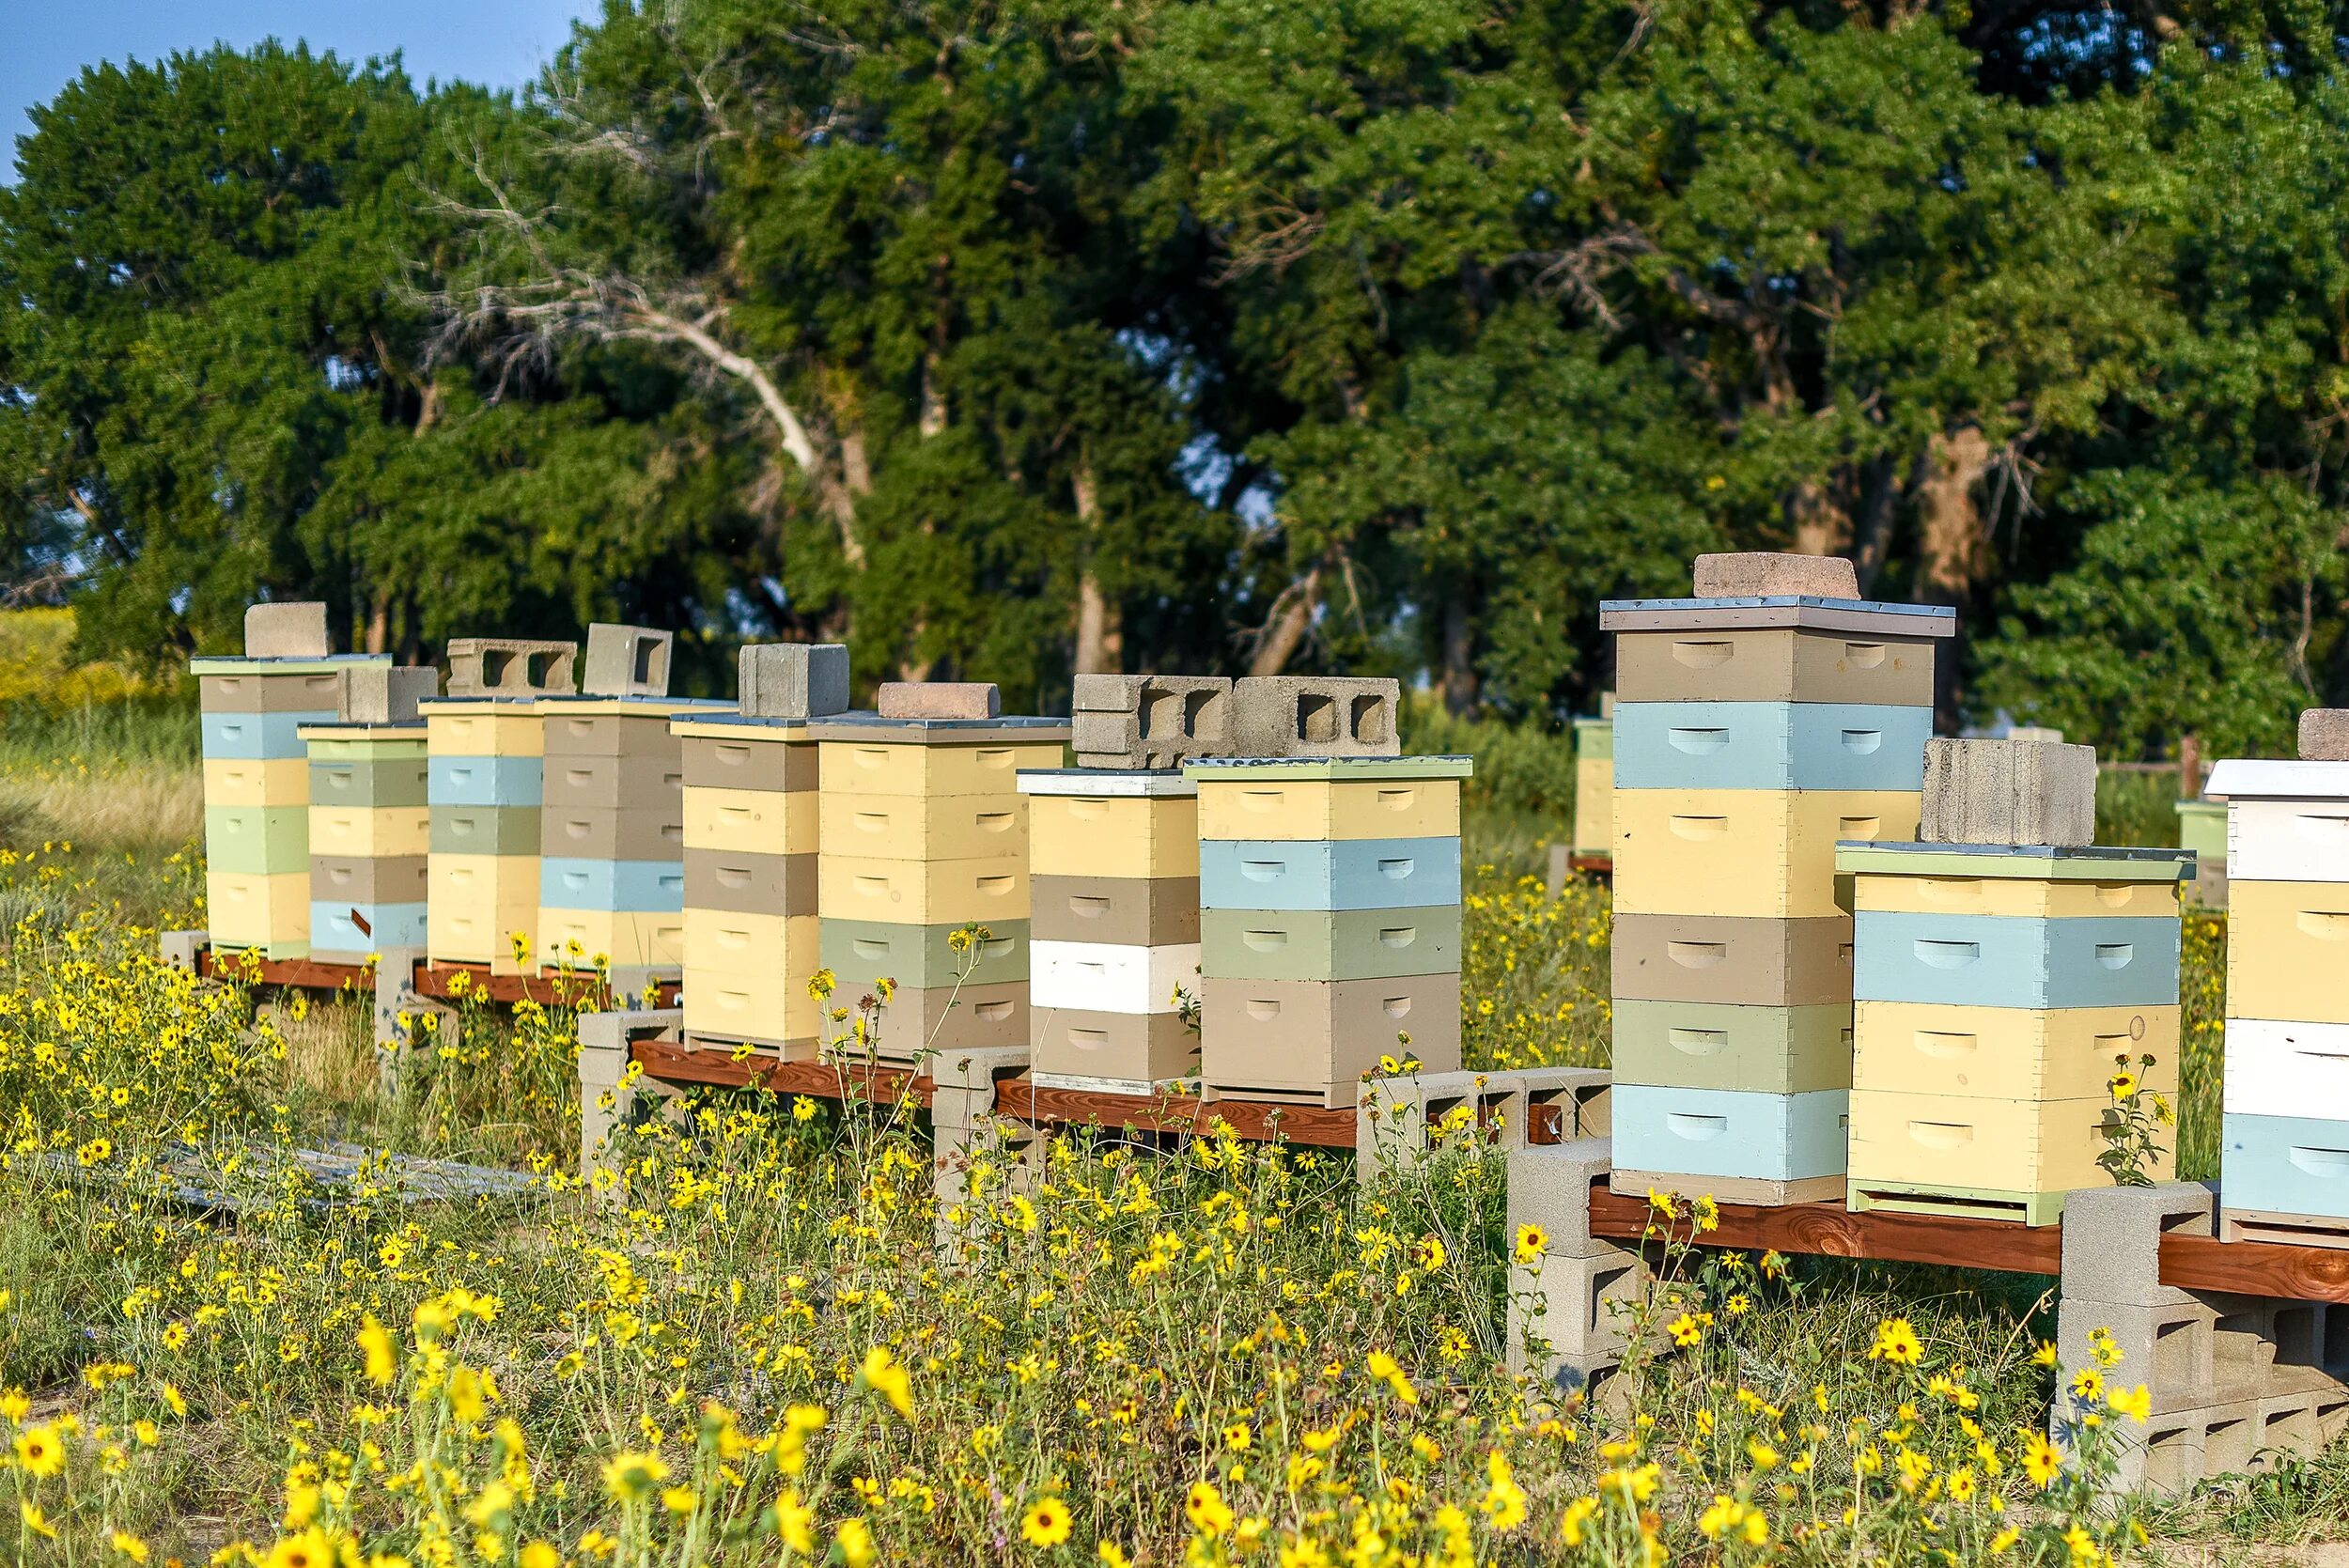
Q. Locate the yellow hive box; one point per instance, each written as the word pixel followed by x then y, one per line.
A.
pixel 1126 836
pixel 1593 805
pixel 746 975
pixel 924 828
pixel 476 903
pixel 370 832
pixel 1313 809
pixel 922 892
pixel 2062 1053
pixel 575 939
pixel 285 781
pixel 912 768
pixel 249 909
pixel 753 821
pixel 2022 896
pixel 1993 1146
pixel 1761 853
pixel 2288 951
pixel 489 729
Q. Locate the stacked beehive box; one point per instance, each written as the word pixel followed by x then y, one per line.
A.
pixel 2284 1150
pixel 2202 827
pixel 486 787
pixel 612 832
pixel 1756 725
pixel 370 824
pixel 257 783
pixel 923 833
pixel 1594 785
pixel 751 816
pixel 2007 971
pixel 1330 907
pixel 1113 857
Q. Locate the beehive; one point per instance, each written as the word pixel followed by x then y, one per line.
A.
pixel 612 832
pixel 370 838
pixel 923 833
pixel 257 793
pixel 1329 922
pixel 1114 918
pixel 2000 989
pixel 749 834
pixel 1593 786
pixel 1751 735
pixel 2284 1124
pixel 486 790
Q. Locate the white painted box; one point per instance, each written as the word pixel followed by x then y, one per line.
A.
pixel 2288 841
pixel 2286 1069
pixel 1107 977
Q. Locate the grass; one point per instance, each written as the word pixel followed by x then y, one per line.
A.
pixel 749 1349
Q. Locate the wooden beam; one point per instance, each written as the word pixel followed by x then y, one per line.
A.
pixel 1829 1230
pixel 301 973
pixel 675 1064
pixel 2256 1268
pixel 1024 1100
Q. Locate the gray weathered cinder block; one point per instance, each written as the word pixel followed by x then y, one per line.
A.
pixel 605 1102
pixel 793 681
pixel 1315 715
pixel 2324 735
pixel 1550 1186
pixel 1130 721
pixel 178 948
pixel 2112 1239
pixel 1568 1320
pixel 2014 792
pixel 292 630
pixel 386 693
pixel 938 699
pixel 627 661
pixel 511 667
pixel 1768 574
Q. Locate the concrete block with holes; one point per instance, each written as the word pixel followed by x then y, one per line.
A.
pixel 1315 715
pixel 627 661
pixel 608 1099
pixel 1398 1121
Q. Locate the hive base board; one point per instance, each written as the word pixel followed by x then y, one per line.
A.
pixel 810 1049
pixel 2288 1230
pixel 1331 1096
pixel 224 951
pixel 1138 1088
pixel 2021 1208
pixel 1758 1191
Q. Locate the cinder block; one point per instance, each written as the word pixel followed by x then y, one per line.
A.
pixel 793 681
pixel 180 948
pixel 511 667
pixel 1568 1316
pixel 1561 1104
pixel 386 694
pixel 295 630
pixel 1315 716
pixel 2172 1350
pixel 2112 1239
pixel 938 699
pixel 965 1077
pixel 1550 1186
pixel 1768 574
pixel 1150 722
pixel 2324 735
pixel 627 661
pixel 2019 792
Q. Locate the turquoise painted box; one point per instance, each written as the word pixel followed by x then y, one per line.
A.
pixel 487 781
pixel 646 887
pixel 1731 1133
pixel 333 930
pixel 2284 1165
pixel 2016 961
pixel 1323 874
pixel 1770 746
pixel 258 737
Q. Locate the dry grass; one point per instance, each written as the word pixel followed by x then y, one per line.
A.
pixel 124 806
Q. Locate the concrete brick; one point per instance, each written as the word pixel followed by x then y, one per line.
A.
pixel 1568 1316
pixel 511 667
pixel 295 630
pixel 2018 792
pixel 1315 716
pixel 627 661
pixel 1550 1186
pixel 386 694
pixel 2324 735
pixel 1150 722
pixel 1581 1099
pixel 938 699
pixel 1768 574
pixel 178 948
pixel 2112 1239
pixel 793 681
pixel 604 1103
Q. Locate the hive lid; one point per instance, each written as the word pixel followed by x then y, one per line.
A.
pixel 1229 770
pixel 1123 781
pixel 411 729
pixel 2089 862
pixel 731 725
pixel 871 726
pixel 333 664
pixel 1812 614
pixel 2263 778
pixel 590 703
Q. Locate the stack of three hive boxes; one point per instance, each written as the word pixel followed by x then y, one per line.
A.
pixel 1265 837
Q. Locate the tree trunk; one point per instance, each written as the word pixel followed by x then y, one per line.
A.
pixel 1100 620
pixel 1459 644
pixel 1816 521
pixel 379 623
pixel 1952 553
pixel 1285 629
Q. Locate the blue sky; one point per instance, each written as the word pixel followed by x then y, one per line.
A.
pixel 500 42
